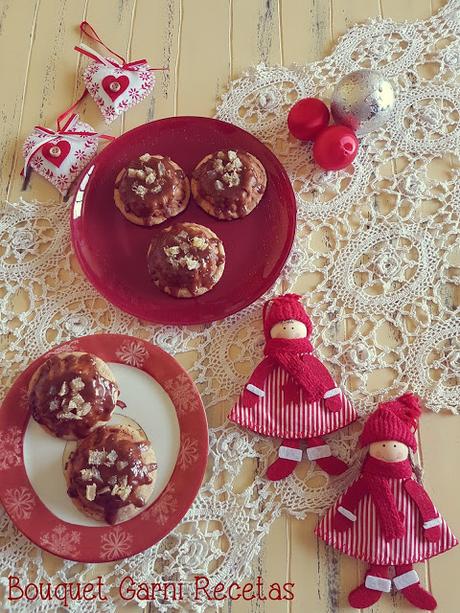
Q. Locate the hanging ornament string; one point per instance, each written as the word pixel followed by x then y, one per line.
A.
pixel 91 33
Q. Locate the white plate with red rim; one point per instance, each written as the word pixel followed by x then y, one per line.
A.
pixel 161 400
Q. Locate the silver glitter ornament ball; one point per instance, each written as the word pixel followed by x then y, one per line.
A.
pixel 363 100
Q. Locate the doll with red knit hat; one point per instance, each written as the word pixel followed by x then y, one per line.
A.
pixel 385 517
pixel 291 394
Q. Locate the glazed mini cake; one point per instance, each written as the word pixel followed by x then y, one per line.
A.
pixel 111 474
pixel 71 394
pixel 151 189
pixel 229 184
pixel 186 260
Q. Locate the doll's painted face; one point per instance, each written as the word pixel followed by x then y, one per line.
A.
pixel 290 328
pixel 389 451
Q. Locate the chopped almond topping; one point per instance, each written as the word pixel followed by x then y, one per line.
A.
pixel 140 174
pixel 121 464
pixel 161 168
pixel 231 179
pixel 96 456
pixel 78 399
pixel 77 384
pixel 171 251
pixel 139 190
pixel 84 409
pixel 132 172
pixel 91 492
pixel 90 473
pixel 219 185
pixel 149 179
pixel 232 155
pixel 124 492
pixel 64 389
pixel 54 405
pixel 111 458
pixel 157 189
pixel 218 165
pixel 199 242
pixel 189 262
pixel 145 158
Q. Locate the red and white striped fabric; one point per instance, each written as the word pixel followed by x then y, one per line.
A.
pixel 364 539
pixel 284 413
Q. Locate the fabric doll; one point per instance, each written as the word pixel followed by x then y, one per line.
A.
pixel 385 517
pixel 291 394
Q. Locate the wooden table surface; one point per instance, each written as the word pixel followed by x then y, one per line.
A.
pixel 206 43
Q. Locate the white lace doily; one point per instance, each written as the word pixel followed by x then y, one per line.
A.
pixel 376 255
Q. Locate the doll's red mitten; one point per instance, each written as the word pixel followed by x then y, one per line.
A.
pixel 341 523
pixel 333 400
pixel 249 399
pixel 433 534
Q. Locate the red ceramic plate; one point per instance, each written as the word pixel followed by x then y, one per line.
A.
pixel 112 251
pixel 161 399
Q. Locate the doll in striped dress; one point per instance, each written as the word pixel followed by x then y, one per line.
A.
pixel 291 394
pixel 386 518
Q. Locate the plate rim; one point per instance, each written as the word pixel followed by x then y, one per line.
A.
pixel 291 206
pixel 195 473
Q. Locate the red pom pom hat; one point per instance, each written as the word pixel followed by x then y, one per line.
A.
pixel 396 420
pixel 284 308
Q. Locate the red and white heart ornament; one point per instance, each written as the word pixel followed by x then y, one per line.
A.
pixel 114 84
pixel 60 155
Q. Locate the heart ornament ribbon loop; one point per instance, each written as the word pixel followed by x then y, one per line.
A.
pixel 60 155
pixel 114 84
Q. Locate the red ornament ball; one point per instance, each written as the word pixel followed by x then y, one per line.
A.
pixel 307 118
pixel 335 148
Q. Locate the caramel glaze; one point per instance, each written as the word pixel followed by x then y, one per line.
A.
pixel 164 203
pixel 109 439
pixel 236 198
pixel 101 393
pixel 172 275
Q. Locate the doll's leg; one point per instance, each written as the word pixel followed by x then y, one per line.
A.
pixel 289 455
pixel 369 592
pixel 407 581
pixel 320 452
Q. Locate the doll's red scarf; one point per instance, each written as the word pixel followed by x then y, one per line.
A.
pixel 308 371
pixel 377 475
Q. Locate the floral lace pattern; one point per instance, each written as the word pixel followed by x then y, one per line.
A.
pixel 375 250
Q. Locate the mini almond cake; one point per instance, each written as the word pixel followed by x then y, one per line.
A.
pixel 110 476
pixel 72 393
pixel 186 260
pixel 151 189
pixel 229 184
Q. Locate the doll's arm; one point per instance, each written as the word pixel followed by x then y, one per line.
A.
pixel 322 384
pixel 345 515
pixel 254 388
pixel 431 519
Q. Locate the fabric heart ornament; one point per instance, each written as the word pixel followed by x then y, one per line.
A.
pixel 114 88
pixel 61 155
pixel 114 84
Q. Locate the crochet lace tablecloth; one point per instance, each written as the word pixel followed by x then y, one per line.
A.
pixel 376 257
